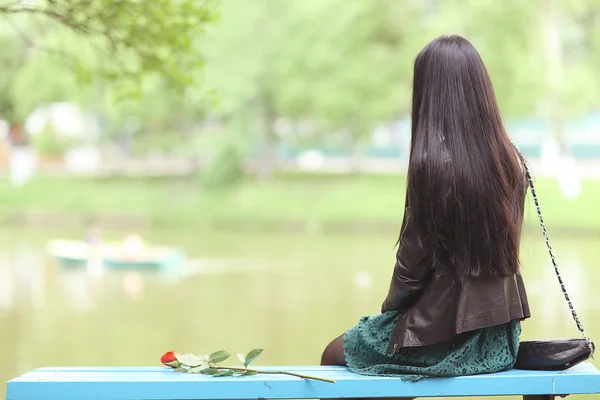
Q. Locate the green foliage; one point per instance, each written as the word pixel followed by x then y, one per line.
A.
pixel 156 140
pixel 210 371
pixel 225 372
pixel 225 169
pixel 508 36
pixel 251 356
pixel 42 80
pixel 208 365
pixel 350 71
pixel 130 38
pixel 198 369
pixel 63 49
pixel 218 356
pixel 48 143
pixel 339 67
pixel 347 66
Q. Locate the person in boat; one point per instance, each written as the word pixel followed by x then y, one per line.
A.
pixel 93 236
pixel 132 247
pixel 456 296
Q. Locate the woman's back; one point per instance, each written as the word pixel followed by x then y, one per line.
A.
pixel 456 296
pixel 459 246
pixel 466 187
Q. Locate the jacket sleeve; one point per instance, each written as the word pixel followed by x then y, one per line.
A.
pixel 411 269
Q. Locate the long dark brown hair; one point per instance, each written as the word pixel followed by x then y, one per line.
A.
pixel 466 185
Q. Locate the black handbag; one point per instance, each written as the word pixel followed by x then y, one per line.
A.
pixel 553 354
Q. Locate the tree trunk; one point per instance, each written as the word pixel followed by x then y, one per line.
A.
pixel 359 134
pixel 356 157
pixel 268 156
pixel 554 56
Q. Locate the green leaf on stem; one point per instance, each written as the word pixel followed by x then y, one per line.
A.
pixel 210 371
pixel 252 355
pixel 198 369
pixel 224 372
pixel 250 373
pixel 180 369
pixel 218 356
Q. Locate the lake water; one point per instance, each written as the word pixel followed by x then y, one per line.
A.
pixel 289 294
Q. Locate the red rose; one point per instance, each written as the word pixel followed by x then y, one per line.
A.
pixel 169 359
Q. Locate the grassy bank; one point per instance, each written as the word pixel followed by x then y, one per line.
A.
pixel 302 202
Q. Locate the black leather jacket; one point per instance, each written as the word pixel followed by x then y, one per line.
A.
pixel 438 304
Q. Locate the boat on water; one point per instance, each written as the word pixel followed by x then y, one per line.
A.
pixel 127 255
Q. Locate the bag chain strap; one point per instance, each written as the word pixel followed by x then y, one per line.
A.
pixel 560 280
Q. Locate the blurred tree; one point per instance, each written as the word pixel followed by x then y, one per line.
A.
pixel 132 37
pixel 121 60
pixel 581 43
pixel 554 53
pixel 340 66
pixel 11 59
pixel 241 56
pixel 53 48
pixel 348 65
pixel 542 55
pixel 507 34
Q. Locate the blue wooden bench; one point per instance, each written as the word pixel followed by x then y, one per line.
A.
pixel 138 383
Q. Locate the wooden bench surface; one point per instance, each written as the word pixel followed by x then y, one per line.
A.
pixel 148 383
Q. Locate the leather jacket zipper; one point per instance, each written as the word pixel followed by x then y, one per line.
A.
pixel 394 342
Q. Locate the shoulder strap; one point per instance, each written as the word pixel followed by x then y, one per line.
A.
pixel 558 276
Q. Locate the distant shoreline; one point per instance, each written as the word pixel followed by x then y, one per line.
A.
pixel 124 223
pixel 302 203
pixel 144 168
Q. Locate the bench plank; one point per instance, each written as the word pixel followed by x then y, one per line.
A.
pixel 140 383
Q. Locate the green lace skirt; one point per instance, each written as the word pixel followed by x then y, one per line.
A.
pixel 483 351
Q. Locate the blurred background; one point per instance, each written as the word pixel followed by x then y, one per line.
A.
pixel 196 175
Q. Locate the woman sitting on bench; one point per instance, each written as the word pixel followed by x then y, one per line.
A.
pixel 456 296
